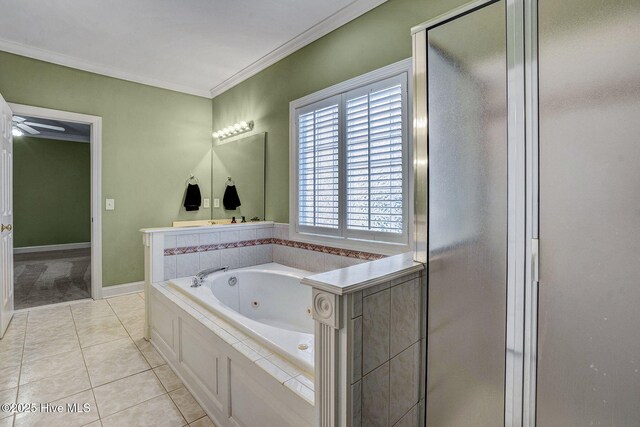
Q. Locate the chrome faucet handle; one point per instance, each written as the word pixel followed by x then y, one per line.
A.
pixel 201 275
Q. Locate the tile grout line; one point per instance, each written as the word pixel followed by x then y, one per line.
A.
pixel 168 393
pixel 130 337
pixel 109 340
pixel 129 334
pixel 178 408
pixel 128 376
pixel 24 343
pixel 137 404
pixel 158 378
pixel 37 358
pixel 21 364
pixel 134 343
pixel 86 368
pixel 150 368
pixel 75 326
pixel 195 421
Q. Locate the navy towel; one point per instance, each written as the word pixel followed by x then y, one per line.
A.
pixel 230 200
pixel 192 198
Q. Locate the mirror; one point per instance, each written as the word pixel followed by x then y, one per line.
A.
pixel 243 161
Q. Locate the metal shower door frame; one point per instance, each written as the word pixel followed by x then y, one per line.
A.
pixel 530 303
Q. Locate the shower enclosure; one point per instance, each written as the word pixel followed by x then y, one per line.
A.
pixel 528 212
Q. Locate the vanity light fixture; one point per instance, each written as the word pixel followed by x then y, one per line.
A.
pixel 234 130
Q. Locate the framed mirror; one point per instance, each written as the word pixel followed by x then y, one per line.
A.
pixel 239 163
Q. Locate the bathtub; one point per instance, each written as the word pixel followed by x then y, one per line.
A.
pixel 265 301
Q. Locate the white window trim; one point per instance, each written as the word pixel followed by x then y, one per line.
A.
pixel 349 240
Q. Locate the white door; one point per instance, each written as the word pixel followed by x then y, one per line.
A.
pixel 6 217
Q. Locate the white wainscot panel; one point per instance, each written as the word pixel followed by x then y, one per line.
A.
pixel 200 359
pixel 255 395
pixel 233 390
pixel 163 325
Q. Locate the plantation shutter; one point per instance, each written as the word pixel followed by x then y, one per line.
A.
pixel 318 166
pixel 374 137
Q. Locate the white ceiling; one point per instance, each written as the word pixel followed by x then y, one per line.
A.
pixel 195 46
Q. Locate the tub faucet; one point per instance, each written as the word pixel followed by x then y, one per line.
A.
pixel 201 275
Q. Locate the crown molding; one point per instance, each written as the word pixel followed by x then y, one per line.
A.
pixel 329 24
pixel 69 61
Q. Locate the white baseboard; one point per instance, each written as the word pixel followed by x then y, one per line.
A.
pixel 125 288
pixel 47 248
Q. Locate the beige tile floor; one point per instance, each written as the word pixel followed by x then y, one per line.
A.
pixel 91 353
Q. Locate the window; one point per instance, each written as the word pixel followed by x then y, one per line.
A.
pixel 318 145
pixel 350 161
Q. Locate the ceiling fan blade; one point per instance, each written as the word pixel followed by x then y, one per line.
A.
pixel 18 119
pixel 29 129
pixel 40 125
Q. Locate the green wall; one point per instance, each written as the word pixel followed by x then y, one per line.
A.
pixel 51 192
pixel 377 38
pixel 151 140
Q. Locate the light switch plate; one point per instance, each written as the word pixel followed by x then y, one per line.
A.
pixel 110 204
pixel 216 203
pixel 205 203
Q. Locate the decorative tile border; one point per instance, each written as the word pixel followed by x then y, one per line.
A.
pixel 216 247
pixel 368 256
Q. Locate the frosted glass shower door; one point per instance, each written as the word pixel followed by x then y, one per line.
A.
pixel 467 211
pixel 589 289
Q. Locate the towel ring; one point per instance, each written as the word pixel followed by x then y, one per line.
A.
pixel 192 180
pixel 230 181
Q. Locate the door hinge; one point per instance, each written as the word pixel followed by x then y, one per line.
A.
pixel 535 260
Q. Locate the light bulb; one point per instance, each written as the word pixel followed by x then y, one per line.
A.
pixel 16 132
pixel 234 129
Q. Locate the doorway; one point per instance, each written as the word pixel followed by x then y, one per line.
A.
pixel 56 193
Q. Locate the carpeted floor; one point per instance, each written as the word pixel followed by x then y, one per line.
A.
pixel 43 278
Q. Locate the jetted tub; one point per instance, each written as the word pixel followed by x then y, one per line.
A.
pixel 267 301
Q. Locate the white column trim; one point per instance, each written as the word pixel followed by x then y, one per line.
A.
pixel 326 312
pixel 326 308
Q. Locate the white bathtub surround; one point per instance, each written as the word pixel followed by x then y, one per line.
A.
pixel 179 252
pixel 313 257
pixel 241 245
pixel 189 250
pixel 370 346
pixel 163 260
pixel 310 260
pixel 366 326
pixel 266 302
pixel 235 378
